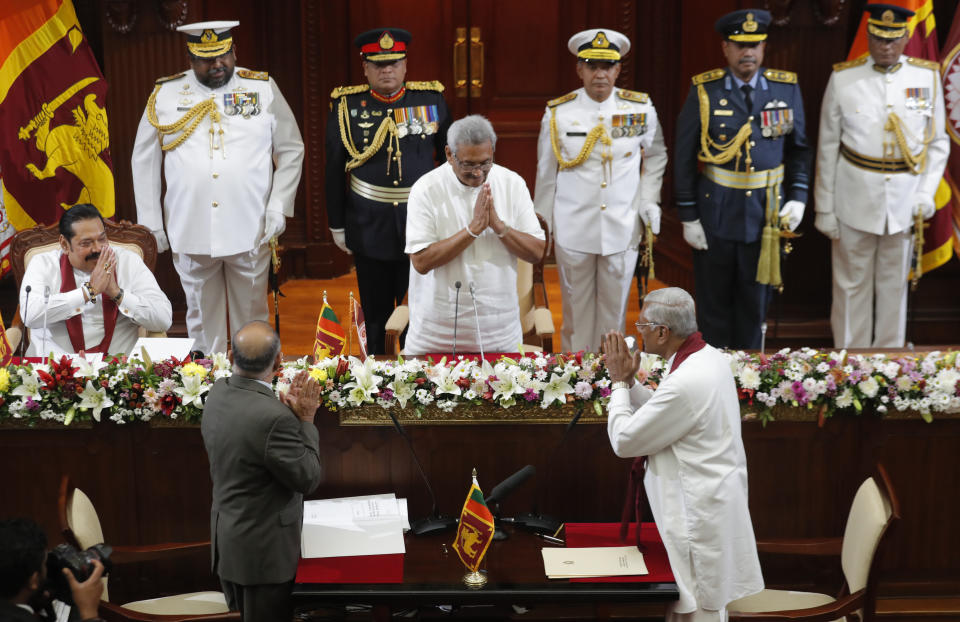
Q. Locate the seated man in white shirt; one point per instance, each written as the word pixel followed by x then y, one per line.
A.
pixel 468 221
pixel 89 296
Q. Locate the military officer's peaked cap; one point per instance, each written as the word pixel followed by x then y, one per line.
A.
pixel 887 21
pixel 209 39
pixel 599 44
pixel 383 45
pixel 744 26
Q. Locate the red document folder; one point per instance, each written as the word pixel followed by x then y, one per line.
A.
pixel 608 534
pixel 358 569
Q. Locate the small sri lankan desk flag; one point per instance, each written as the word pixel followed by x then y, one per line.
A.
pixel 331 338
pixel 475 531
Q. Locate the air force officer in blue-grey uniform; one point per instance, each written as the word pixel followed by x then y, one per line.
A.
pixel 746 124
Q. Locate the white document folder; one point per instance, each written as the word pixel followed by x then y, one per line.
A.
pixel 597 561
pixel 350 526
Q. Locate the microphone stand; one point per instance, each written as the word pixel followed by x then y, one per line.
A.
pixel 46 305
pixel 456 317
pixel 23 334
pixel 435 523
pixel 476 316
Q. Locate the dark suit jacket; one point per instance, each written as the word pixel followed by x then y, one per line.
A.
pixel 11 613
pixel 263 459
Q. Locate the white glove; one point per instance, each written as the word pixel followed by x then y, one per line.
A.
pixel 694 236
pixel 340 239
pixel 826 223
pixel 650 215
pixel 274 224
pixel 793 213
pixel 162 243
pixel 926 205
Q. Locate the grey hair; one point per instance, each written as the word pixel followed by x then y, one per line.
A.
pixel 474 129
pixel 672 307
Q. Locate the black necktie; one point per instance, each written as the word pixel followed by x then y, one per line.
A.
pixel 747 89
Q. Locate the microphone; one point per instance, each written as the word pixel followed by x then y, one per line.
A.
pixel 23 336
pixel 456 317
pixel 504 488
pixel 476 315
pixel 46 305
pixel 435 523
pixel 534 521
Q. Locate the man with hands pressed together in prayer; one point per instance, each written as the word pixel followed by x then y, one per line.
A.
pixel 468 220
pixel 99 295
pixel 688 433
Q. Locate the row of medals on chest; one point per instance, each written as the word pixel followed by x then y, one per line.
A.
pixel 238 102
pixel 407 123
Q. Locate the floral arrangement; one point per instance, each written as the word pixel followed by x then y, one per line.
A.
pixel 826 382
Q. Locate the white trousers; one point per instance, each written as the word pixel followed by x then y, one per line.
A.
pixel 595 290
pixel 699 615
pixel 870 288
pixel 213 283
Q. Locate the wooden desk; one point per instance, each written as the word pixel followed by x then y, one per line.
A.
pixel 514 567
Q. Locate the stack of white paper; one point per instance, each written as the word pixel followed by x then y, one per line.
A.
pixel 366 525
pixel 599 561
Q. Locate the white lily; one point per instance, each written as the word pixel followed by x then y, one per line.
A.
pixel 556 390
pixel 402 391
pixel 29 384
pixel 445 378
pixel 88 368
pixel 364 384
pixel 94 398
pixel 505 387
pixel 193 387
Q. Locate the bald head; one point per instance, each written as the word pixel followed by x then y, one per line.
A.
pixel 255 348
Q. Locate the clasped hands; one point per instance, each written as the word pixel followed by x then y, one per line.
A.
pixel 103 279
pixel 621 364
pixel 485 215
pixel 303 397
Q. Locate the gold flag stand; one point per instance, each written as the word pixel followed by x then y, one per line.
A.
pixel 475 580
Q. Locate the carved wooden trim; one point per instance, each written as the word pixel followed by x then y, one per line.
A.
pixel 172 13
pixel 627 24
pixel 315 105
pixel 828 12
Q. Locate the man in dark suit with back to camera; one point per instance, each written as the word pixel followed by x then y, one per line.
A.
pixel 384 134
pixel 745 123
pixel 264 456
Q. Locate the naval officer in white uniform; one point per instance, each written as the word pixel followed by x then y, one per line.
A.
pixel 233 161
pixel 600 163
pixel 883 148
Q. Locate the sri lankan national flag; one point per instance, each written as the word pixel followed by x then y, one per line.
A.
pixel 476 529
pixel 922 43
pixel 54 143
pixel 331 337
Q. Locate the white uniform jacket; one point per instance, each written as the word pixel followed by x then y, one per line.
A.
pixel 143 304
pixel 591 210
pixel 217 195
pixel 856 106
pixel 696 479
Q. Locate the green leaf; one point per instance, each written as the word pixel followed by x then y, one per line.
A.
pixel 857 405
pixel 927 417
pixel 597 408
pixel 71 413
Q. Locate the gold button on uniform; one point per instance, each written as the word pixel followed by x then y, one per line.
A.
pixel 216 175
pixel 215 204
pixel 603 184
pixel 603 207
pixel 395 204
pixel 396 183
pixel 749 193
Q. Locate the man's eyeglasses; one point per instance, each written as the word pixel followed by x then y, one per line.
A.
pixel 651 324
pixel 471 167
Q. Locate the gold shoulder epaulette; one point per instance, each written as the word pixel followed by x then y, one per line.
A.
pixel 425 85
pixel 779 75
pixel 340 91
pixel 169 78
pixel 850 63
pixel 569 97
pixel 253 75
pixel 708 76
pixel 922 62
pixel 633 96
